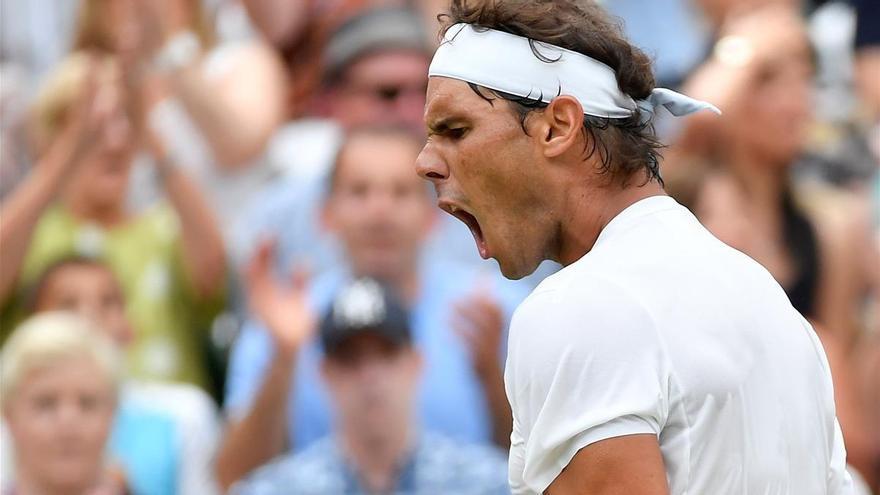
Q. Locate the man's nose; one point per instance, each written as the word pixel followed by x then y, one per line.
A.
pixel 430 166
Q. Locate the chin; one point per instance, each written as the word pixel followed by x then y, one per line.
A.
pixel 514 271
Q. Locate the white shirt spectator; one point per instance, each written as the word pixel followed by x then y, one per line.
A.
pixel 662 329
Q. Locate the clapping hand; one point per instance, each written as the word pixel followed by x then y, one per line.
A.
pixel 479 321
pixel 282 308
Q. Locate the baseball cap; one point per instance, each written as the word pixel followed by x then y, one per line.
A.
pixel 364 306
pixel 375 29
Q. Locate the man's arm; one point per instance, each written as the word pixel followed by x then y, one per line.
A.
pixel 262 433
pixel 22 210
pixel 283 309
pixel 628 465
pixel 480 322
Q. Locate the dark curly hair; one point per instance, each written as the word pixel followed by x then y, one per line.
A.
pixel 625 145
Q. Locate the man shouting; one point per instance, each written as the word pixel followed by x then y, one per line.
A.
pixel 658 360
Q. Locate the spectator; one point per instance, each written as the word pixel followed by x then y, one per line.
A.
pixel 760 77
pixel 377 50
pixel 813 239
pixel 214 103
pixel 299 30
pixel 59 382
pixel 169 258
pixel 382 213
pixel 232 92
pixel 376 74
pixel 371 370
pixel 174 457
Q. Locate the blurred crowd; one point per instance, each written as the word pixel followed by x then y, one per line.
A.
pixel 220 273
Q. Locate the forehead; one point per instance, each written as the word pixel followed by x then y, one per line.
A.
pixel 391 65
pixel 67 370
pixel 451 99
pixel 80 271
pixel 378 156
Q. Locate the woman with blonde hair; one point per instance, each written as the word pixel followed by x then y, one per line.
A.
pixel 59 382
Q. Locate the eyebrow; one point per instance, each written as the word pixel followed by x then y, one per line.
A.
pixel 442 125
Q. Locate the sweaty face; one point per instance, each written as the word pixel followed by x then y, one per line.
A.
pixel 489 174
pixel 378 207
pixel 91 291
pixel 59 418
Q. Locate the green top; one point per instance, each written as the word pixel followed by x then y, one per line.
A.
pixel 146 253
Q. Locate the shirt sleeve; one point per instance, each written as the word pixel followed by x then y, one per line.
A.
pixel 585 364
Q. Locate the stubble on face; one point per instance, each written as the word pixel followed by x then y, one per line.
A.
pixel 494 169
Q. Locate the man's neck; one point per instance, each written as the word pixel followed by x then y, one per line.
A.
pixel 589 211
pixel 762 180
pixel 377 458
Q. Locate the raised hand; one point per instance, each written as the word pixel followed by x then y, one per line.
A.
pixel 84 124
pixel 282 308
pixel 479 321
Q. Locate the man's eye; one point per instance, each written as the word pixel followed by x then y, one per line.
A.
pixel 457 133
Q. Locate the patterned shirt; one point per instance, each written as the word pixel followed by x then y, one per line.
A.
pixel 437 465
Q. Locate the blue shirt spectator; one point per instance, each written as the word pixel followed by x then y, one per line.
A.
pixel 448 381
pixel 437 465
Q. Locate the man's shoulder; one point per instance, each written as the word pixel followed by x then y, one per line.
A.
pixel 573 311
pixel 585 289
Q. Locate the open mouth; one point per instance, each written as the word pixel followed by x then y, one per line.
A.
pixel 472 224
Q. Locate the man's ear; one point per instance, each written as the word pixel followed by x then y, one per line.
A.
pixel 560 126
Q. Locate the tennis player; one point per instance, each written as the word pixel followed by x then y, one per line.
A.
pixel 658 360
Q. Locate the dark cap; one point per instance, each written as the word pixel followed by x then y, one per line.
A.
pixel 365 306
pixel 375 29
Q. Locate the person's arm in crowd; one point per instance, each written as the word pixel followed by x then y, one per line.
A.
pixel 280 21
pixel 204 256
pixel 848 264
pixel 852 407
pixel 480 322
pixel 627 465
pixel 747 45
pixel 236 100
pixel 238 110
pixel 21 211
pixel 261 433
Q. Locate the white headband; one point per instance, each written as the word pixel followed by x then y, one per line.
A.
pixel 505 62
